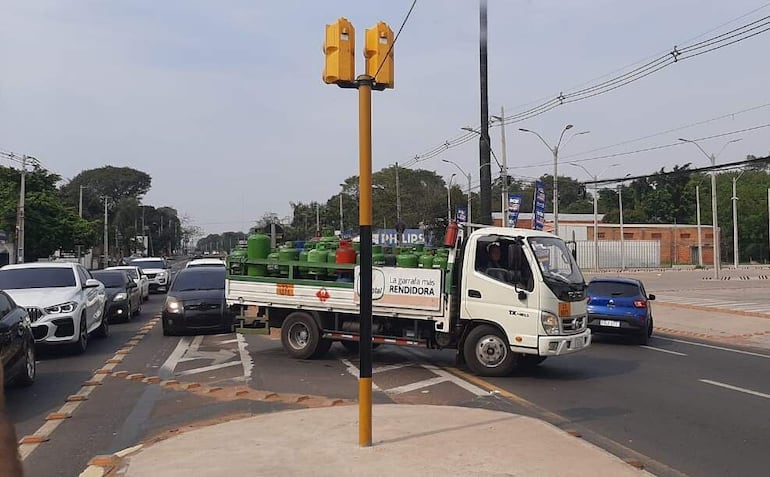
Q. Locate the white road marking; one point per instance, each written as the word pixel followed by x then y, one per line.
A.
pixel 248 363
pixel 167 368
pixel 471 388
pixel 663 350
pixel 739 351
pixel 353 371
pixel 735 388
pixel 229 341
pixel 418 385
pixel 390 367
pixel 207 368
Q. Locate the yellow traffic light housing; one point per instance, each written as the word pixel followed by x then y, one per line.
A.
pixel 339 50
pixel 378 52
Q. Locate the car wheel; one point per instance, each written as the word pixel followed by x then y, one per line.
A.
pixel 104 327
pixel 27 376
pixel 300 335
pixel 81 345
pixel 487 352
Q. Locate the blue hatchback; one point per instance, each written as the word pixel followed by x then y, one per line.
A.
pixel 620 305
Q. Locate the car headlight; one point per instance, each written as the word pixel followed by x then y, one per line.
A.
pixel 120 297
pixel 68 307
pixel 161 274
pixel 550 323
pixel 173 305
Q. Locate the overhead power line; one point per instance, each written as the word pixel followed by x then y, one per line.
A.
pixel 667 131
pixel 719 167
pixel 648 149
pixel 649 67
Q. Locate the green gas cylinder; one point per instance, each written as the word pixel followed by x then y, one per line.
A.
pixel 378 258
pixel 317 255
pixel 440 261
pixel 257 248
pixel 272 267
pixel 302 256
pixel 426 260
pixel 407 259
pixel 287 253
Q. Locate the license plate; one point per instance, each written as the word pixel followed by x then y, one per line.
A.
pixel 610 323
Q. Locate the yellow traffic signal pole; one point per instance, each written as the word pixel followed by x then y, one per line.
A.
pixel 339 49
pixel 365 279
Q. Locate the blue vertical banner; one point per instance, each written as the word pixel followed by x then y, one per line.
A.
pixel 462 215
pixel 514 205
pixel 538 209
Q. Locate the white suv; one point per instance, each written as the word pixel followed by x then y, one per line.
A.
pixel 64 302
pixel 157 271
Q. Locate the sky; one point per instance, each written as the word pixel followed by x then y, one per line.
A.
pixel 222 102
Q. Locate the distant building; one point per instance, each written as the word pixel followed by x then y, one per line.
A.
pixel 678 243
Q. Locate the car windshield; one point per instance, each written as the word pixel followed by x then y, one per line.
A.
pixel 203 278
pixel 37 278
pixel 132 273
pixel 110 279
pixel 146 264
pixel 613 289
pixel 555 260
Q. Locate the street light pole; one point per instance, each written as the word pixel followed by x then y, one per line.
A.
pixel 555 151
pixel 714 224
pixel 106 235
pixel 596 208
pixel 504 167
pixel 467 176
pixel 697 216
pixel 735 221
pixel 622 235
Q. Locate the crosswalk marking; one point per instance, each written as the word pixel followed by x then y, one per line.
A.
pixel 717 304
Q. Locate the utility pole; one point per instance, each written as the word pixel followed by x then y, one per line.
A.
pixel 504 172
pixel 697 216
pixel 622 236
pixel 484 165
pixel 735 220
pixel 106 235
pixel 398 207
pixel 20 213
pixel 342 228
pixel 317 220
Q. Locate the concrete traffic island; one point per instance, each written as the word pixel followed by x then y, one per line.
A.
pixel 409 440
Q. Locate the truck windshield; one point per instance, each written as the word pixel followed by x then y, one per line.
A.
pixel 555 260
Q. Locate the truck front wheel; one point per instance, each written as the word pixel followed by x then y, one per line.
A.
pixel 487 352
pixel 300 335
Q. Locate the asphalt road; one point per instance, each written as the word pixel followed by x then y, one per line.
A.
pixel 677 406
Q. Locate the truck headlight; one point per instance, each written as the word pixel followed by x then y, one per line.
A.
pixel 120 297
pixel 550 323
pixel 68 307
pixel 173 305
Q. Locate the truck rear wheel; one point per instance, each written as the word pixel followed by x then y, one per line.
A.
pixel 487 352
pixel 300 335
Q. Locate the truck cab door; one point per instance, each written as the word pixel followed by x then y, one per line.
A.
pixel 503 292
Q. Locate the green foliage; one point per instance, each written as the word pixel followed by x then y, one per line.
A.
pixel 49 223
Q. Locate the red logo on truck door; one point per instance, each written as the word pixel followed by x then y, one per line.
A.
pixel 323 295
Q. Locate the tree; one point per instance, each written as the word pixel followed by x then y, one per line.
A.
pixel 117 183
pixel 49 224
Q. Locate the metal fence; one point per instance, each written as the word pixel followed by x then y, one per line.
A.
pixel 638 254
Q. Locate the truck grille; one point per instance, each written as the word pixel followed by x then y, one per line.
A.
pixel 151 275
pixel 34 313
pixel 573 324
